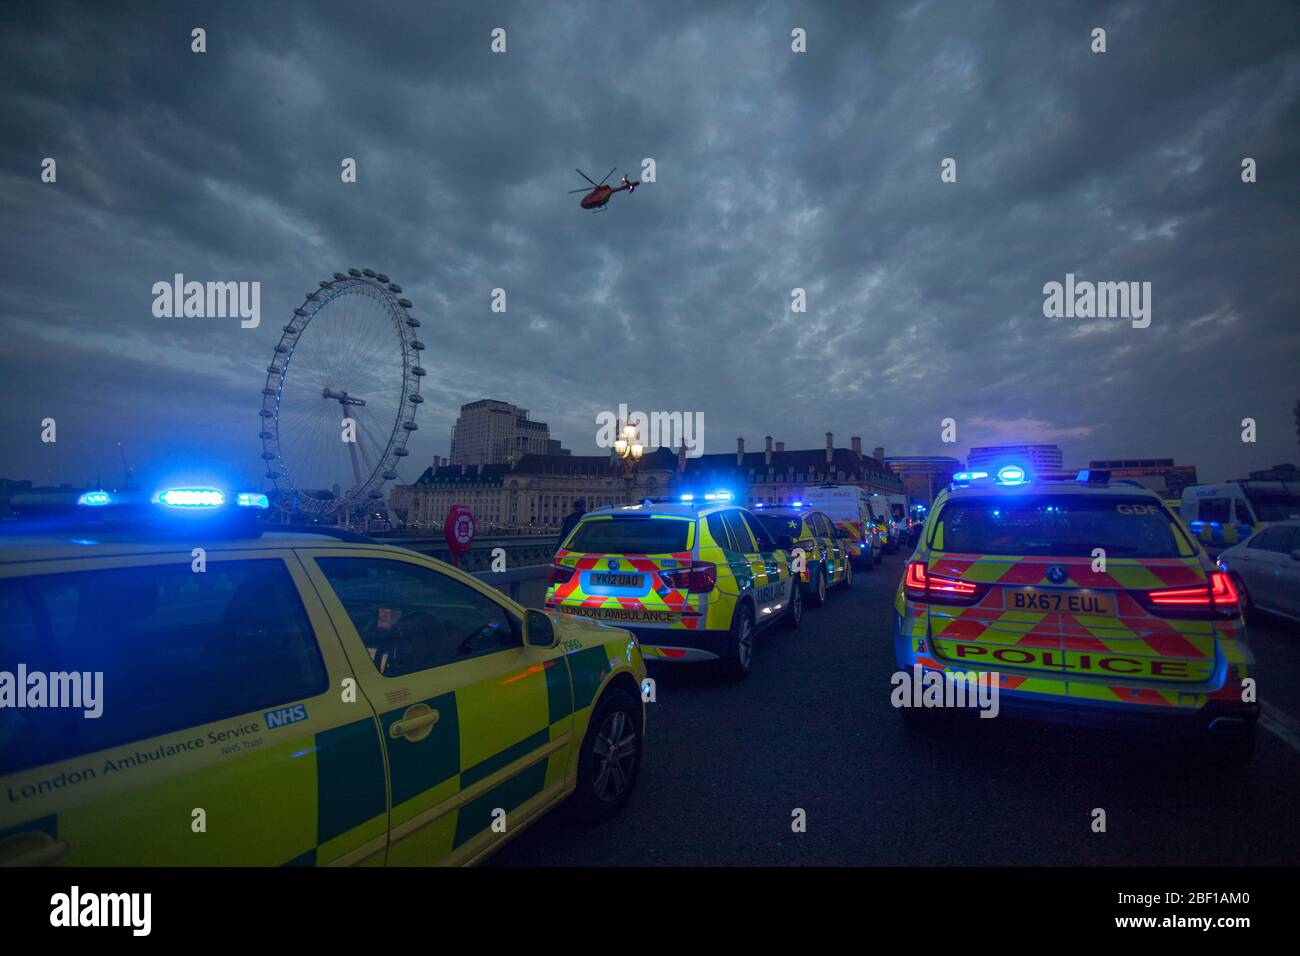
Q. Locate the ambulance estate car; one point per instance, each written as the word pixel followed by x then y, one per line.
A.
pixel 1086 601
pixel 182 687
pixel 694 579
pixel 819 548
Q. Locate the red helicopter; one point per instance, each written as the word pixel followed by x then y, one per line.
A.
pixel 598 196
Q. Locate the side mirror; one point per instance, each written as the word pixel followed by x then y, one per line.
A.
pixel 539 630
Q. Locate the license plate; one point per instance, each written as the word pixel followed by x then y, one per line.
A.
pixel 614 579
pixel 1061 602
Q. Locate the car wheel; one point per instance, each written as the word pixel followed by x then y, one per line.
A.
pixel 848 575
pixel 739 662
pixel 817 593
pixel 794 613
pixel 610 759
pixel 1248 609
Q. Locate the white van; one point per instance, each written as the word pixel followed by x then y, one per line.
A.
pixel 1229 512
pixel 893 508
pixel 850 508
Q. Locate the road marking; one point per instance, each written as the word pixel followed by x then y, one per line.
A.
pixel 1280 724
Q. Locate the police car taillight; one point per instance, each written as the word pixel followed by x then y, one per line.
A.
pixel 699 578
pixel 921 586
pixel 1217 598
pixel 560 574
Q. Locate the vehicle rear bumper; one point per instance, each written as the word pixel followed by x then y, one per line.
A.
pixel 676 646
pixel 1200 709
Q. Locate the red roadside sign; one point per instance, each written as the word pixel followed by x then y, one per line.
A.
pixel 458 529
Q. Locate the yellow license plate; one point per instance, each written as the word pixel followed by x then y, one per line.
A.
pixel 1061 602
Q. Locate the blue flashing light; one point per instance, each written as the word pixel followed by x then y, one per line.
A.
pixel 718 496
pixel 1012 475
pixel 758 504
pixel 798 504
pixel 252 500
pixel 969 475
pixel 95 499
pixel 190 498
pixel 688 497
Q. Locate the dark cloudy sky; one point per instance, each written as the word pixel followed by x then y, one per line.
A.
pixel 775 171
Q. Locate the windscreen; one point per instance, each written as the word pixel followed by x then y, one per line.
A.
pixel 641 535
pixel 1058 526
pixel 779 525
pixel 841 507
pixel 1274 505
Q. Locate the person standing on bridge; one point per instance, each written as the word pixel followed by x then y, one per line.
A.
pixel 574 516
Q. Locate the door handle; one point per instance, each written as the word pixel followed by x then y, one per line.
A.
pixel 33 848
pixel 417 719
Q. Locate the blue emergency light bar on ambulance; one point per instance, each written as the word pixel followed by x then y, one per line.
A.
pixel 1008 476
pixel 689 497
pixel 174 507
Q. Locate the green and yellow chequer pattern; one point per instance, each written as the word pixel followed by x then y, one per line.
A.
pixel 324 797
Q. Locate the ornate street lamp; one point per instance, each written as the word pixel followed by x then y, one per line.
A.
pixel 629 449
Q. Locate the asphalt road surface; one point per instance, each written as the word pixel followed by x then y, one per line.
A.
pixel 727 764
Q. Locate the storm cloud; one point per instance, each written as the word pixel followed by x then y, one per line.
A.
pixel 775 170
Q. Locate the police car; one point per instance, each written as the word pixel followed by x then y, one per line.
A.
pixel 181 685
pixel 1084 601
pixel 694 578
pixel 819 548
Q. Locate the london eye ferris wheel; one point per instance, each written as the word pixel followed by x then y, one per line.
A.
pixel 340 397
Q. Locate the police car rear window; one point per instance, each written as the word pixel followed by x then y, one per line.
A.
pixel 640 535
pixel 153 649
pixel 1058 526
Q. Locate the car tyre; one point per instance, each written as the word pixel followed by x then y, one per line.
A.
pixel 1248 610
pixel 610 760
pixel 1233 751
pixel 793 616
pixel 817 589
pixel 739 662
pixel 848 575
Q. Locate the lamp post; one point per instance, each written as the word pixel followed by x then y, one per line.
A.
pixel 629 449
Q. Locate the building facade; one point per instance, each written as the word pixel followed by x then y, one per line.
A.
pixel 489 432
pixel 1039 459
pixel 924 476
pixel 536 492
pixel 1161 475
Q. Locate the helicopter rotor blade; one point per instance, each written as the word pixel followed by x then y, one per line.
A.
pixel 586 177
pixel 584 189
pixel 607 175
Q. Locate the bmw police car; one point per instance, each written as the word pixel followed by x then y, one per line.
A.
pixel 694 579
pixel 819 549
pixel 1085 601
pixel 183 686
